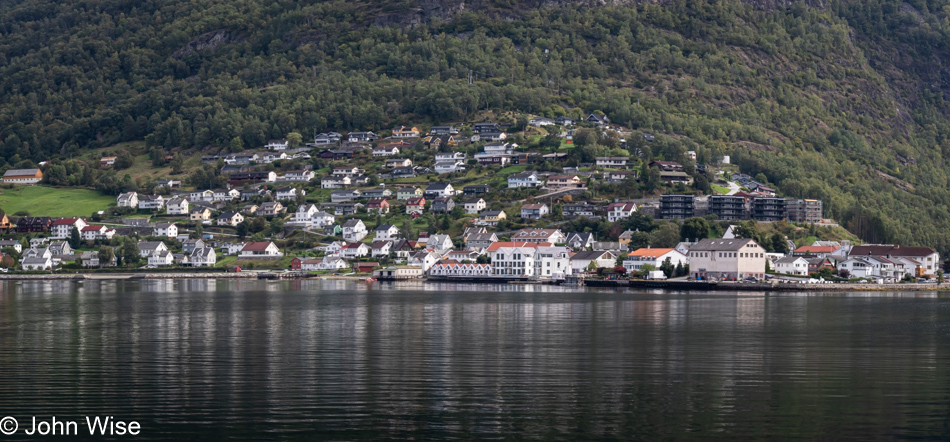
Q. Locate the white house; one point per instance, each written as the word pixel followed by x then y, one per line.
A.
pixel 354 230
pixel 129 199
pixel 381 248
pixel 386 232
pixel 423 259
pixel 612 162
pixel 398 162
pixel 449 167
pixel 151 202
pixel 92 233
pixel 230 219
pixel 147 248
pixel 619 211
pixel 277 144
pixel 289 193
pixel 450 270
pixel 653 256
pixel 534 211
pixel 792 265
pixel 63 227
pixel 436 190
pixel 260 249
pixel 177 206
pixel 225 194
pixel 203 257
pixel 161 258
pixel 201 195
pixel 528 260
pixel 582 261
pixel 474 205
pixel 299 175
pixel 385 151
pixel 37 264
pixel 169 230
pixel 440 243
pixel 524 179
pixel 355 250
pixel 857 267
pixel 553 236
pixel 726 259
pixel 335 182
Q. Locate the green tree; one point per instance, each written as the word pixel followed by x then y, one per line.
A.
pixel 778 243
pixel 294 139
pixel 75 239
pixel 694 229
pixel 667 236
pixel 105 255
pixel 242 229
pixel 237 145
pixel 667 267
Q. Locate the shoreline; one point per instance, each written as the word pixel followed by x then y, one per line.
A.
pixel 617 284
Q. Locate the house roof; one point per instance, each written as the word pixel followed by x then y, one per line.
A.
pixel 65 221
pixel 150 245
pixel 720 245
pixel 20 172
pixel 354 245
pixel 92 228
pixel 589 256
pixel 497 245
pixel 384 227
pixel 438 186
pixel 816 249
pixel 889 249
pixel 533 206
pixel 352 223
pixel 258 246
pixel 380 244
pixel 789 259
pixel 535 233
pixel 583 236
pixel 650 253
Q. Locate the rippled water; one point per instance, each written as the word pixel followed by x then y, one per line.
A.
pixel 314 360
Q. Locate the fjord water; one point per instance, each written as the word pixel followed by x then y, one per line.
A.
pixel 320 360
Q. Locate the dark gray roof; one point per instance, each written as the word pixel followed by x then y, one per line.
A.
pixel 720 245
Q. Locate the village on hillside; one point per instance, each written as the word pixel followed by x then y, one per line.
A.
pixel 463 202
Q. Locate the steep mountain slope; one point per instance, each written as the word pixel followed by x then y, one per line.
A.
pixel 844 101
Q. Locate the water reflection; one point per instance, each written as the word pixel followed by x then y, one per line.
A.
pixel 345 360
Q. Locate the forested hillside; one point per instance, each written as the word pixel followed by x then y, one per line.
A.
pixel 844 102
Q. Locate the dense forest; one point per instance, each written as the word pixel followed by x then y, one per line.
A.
pixel 846 103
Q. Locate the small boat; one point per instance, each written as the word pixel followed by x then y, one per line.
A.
pixel 370 279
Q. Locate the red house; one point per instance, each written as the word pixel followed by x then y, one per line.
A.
pixel 416 205
pixel 380 205
pixel 295 263
pixel 365 267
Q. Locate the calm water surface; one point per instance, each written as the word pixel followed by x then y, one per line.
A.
pixel 312 360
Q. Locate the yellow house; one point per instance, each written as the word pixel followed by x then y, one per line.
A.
pixel 491 217
pixel 200 214
pixel 405 132
pixel 435 142
pixel 563 182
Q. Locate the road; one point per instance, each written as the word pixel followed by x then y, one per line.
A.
pixel 733 187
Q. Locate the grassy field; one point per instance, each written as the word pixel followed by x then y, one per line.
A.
pixel 720 190
pixel 52 201
pixel 512 170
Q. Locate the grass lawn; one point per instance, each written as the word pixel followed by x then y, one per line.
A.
pixel 512 169
pixel 720 189
pixel 53 201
